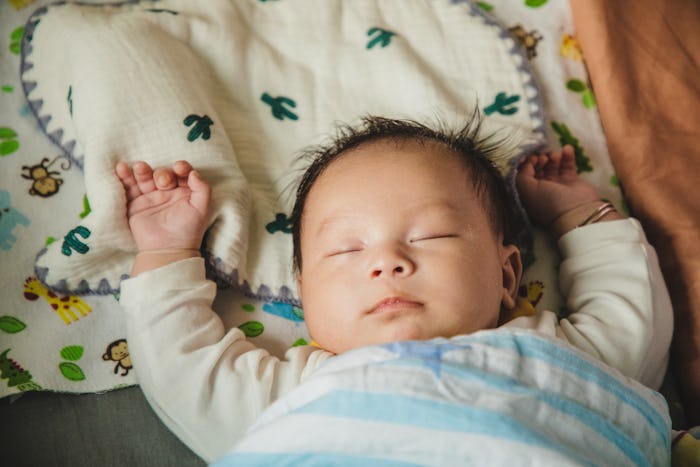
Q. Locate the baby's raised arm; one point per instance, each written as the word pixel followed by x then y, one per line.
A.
pixel 620 311
pixel 167 212
pixel 206 382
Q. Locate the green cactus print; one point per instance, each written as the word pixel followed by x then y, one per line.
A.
pixel 279 105
pixel 503 104
pixel 71 242
pixel 583 162
pixel 381 37
pixel 200 127
pixel 280 224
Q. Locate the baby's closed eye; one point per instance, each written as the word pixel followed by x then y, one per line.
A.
pixel 344 250
pixel 433 236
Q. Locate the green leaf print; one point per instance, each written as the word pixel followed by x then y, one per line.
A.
pixel 71 371
pixel 252 328
pixel 8 141
pixel 589 100
pixel 11 325
pixel 86 208
pixel 16 40
pixel 72 352
pixel 578 86
pixel 575 85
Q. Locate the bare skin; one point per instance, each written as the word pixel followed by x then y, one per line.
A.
pixel 553 194
pixel 167 212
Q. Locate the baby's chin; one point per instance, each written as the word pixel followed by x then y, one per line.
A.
pixel 396 335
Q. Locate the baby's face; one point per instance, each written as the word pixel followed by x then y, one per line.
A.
pixel 396 246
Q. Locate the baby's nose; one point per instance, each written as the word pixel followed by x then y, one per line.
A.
pixel 391 263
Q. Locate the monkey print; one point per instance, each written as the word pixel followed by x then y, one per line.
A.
pixel 527 40
pixel 45 182
pixel 118 352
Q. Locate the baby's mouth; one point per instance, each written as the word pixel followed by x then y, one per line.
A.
pixel 394 304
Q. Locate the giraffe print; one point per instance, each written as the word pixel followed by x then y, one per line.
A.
pixel 64 306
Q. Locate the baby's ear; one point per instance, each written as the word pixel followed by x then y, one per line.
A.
pixel 512 270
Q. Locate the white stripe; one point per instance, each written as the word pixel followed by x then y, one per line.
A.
pixel 310 433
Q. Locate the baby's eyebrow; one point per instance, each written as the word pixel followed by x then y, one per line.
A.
pixel 336 221
pixel 438 207
pixel 348 220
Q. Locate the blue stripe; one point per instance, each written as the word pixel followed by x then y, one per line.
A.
pixel 594 421
pixel 430 414
pixel 535 347
pixel 319 459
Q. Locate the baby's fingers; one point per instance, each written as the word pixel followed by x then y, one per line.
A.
pixel 551 169
pixel 126 176
pixel 568 159
pixel 182 170
pixel 144 177
pixel 164 179
pixel 201 192
pixel 527 167
pixel 525 180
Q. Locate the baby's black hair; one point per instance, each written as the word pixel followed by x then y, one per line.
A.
pixel 476 152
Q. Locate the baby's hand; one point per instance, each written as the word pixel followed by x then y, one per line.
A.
pixel 167 209
pixel 549 188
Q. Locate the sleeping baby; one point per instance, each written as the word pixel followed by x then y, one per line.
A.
pixel 408 266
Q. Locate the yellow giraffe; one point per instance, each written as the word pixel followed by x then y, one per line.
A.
pixel 570 47
pixel 63 306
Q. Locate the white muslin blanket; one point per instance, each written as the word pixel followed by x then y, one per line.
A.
pixel 240 88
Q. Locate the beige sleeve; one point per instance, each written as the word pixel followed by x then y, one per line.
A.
pixel 206 383
pixel 620 311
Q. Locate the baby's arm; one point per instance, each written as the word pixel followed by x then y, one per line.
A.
pixel 619 304
pixel 207 383
pixel 167 212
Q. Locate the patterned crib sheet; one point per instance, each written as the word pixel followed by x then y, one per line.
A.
pixel 63 339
